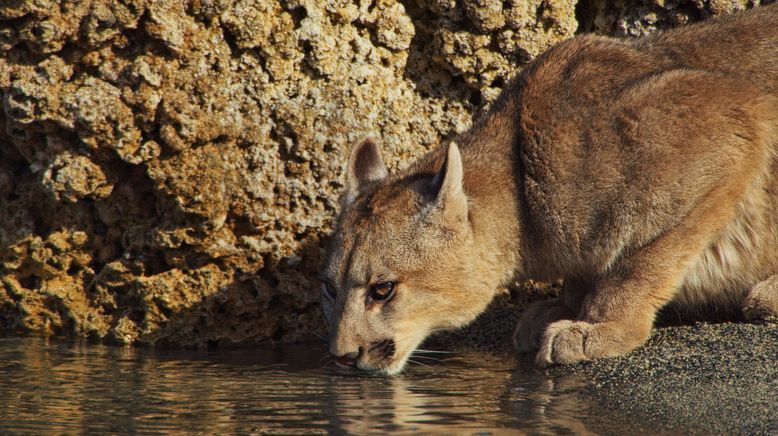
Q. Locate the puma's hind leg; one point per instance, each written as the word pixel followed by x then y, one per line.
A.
pixel 761 302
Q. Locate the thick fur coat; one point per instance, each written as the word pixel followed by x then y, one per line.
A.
pixel 641 171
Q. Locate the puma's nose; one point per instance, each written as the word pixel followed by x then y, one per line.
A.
pixel 349 359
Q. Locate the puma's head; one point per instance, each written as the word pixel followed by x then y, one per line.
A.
pixel 401 261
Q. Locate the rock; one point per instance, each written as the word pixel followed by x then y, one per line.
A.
pixel 70 178
pixel 645 16
pixel 168 169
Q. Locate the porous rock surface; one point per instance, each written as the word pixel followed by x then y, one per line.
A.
pixel 168 168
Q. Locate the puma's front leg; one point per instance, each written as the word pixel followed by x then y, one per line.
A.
pixel 618 314
pixel 534 320
pixel 570 341
pixel 615 318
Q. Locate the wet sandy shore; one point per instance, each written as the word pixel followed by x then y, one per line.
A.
pixel 701 378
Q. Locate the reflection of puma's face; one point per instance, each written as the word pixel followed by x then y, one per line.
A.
pixel 397 266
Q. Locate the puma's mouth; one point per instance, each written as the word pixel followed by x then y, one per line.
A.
pixel 377 357
pixel 382 350
pixel 384 357
pixel 346 362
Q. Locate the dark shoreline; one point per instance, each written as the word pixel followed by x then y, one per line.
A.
pixel 700 378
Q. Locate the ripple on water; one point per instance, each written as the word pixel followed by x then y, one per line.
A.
pixel 68 387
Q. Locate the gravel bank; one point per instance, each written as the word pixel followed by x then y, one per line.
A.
pixel 702 378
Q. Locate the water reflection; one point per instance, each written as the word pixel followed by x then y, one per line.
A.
pixel 77 387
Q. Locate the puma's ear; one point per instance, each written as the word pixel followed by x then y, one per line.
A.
pixel 364 166
pixel 447 185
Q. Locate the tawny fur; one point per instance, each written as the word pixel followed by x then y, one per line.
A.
pixel 641 171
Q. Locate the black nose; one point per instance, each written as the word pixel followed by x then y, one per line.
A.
pixel 349 359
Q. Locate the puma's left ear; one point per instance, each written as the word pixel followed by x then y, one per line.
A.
pixel 364 166
pixel 450 195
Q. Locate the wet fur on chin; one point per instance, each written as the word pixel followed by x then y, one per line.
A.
pixel 641 171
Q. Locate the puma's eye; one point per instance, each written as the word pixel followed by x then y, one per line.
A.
pixel 328 290
pixel 382 291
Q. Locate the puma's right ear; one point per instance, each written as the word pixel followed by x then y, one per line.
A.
pixel 447 185
pixel 364 166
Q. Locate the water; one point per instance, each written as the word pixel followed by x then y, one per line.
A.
pixel 75 387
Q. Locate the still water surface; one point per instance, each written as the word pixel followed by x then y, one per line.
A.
pixel 74 387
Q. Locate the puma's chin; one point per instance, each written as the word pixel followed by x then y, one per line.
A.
pixel 396 366
pixel 398 363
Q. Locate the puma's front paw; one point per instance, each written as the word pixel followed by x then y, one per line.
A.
pixel 573 341
pixel 534 320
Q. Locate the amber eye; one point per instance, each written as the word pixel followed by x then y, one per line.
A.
pixel 328 290
pixel 382 291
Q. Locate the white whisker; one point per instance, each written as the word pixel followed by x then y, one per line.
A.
pixel 417 363
pixel 426 357
pixel 435 351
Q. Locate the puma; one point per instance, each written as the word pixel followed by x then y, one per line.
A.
pixel 641 171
